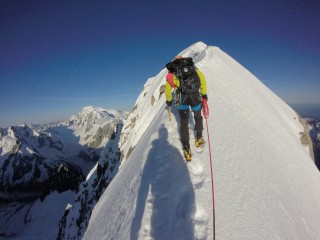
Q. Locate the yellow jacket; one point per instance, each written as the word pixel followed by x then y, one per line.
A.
pixel 176 81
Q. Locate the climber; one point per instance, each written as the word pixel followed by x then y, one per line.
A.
pixel 190 89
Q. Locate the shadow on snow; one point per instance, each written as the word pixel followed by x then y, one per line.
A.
pixel 171 202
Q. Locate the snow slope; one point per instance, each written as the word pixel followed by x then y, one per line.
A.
pixel 266 185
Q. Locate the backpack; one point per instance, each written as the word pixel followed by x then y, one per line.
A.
pixel 185 71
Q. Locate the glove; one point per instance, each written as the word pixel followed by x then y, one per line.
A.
pixel 169 103
pixel 205 97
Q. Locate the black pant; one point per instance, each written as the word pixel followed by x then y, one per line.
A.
pixel 191 100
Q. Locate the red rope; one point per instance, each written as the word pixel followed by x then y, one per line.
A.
pixel 206 116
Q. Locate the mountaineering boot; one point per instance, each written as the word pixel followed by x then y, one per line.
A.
pixel 200 142
pixel 187 153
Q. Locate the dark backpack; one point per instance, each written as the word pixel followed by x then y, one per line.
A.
pixel 185 71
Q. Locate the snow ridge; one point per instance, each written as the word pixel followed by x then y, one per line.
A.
pixel 266 183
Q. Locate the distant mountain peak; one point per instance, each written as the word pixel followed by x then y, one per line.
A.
pixel 91 114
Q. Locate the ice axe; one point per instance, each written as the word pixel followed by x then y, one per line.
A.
pixel 170 113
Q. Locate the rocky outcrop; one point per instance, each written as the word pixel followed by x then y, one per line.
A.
pixel 314 133
pixel 305 137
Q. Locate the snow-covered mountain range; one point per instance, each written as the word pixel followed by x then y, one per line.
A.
pixel 266 183
pixel 38 159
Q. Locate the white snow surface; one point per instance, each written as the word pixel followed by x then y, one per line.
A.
pixel 266 185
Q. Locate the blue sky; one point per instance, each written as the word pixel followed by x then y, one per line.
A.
pixel 59 56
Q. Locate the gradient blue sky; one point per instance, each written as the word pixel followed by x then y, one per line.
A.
pixel 59 56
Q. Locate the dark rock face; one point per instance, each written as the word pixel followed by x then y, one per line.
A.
pixel 314 132
pixel 35 176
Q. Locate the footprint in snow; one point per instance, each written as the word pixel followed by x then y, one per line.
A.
pixel 201 221
pixel 198 178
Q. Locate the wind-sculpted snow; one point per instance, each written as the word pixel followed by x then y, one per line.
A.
pixel 266 185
